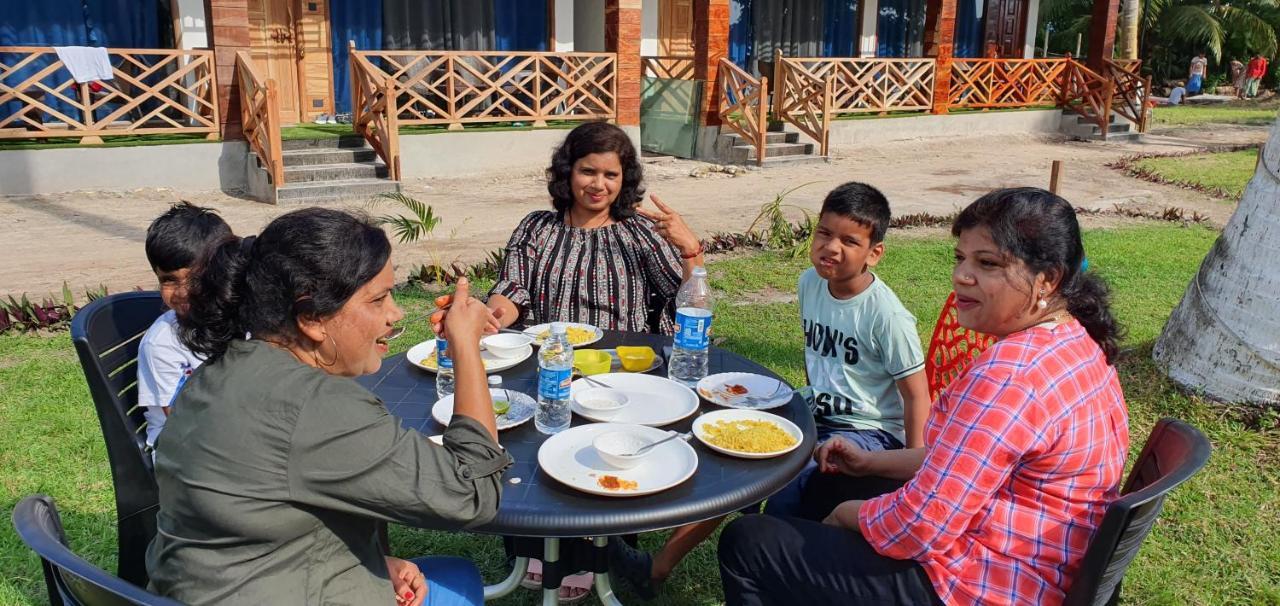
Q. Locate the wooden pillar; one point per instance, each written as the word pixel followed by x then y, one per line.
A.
pixel 1102 32
pixel 622 36
pixel 710 44
pixel 228 34
pixel 868 23
pixel 939 43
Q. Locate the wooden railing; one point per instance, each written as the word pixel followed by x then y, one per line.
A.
pixel 1086 93
pixel 1132 90
pixel 672 67
pixel 803 99
pixel 152 92
pixel 373 111
pixel 744 104
pixel 467 87
pixel 1005 83
pixel 871 85
pixel 260 116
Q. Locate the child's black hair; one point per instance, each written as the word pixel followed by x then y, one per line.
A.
pixel 862 203
pixel 179 237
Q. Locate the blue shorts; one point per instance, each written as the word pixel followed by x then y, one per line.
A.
pixel 1193 84
pixel 787 501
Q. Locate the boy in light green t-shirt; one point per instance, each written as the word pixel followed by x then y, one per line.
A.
pixel 862 353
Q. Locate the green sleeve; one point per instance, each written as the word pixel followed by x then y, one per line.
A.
pixel 902 354
pixel 348 454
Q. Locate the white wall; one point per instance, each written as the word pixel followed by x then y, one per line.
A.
pixel 588 26
pixel 649 29
pixel 869 14
pixel 184 167
pixel 1032 29
pixel 194 32
pixel 564 26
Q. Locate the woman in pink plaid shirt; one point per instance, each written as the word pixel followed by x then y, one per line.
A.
pixel 1022 454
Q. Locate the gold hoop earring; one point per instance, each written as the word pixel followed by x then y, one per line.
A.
pixel 316 354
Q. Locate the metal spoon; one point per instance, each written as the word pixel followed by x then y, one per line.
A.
pixel 648 447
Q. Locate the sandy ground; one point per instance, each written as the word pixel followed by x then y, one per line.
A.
pixel 92 238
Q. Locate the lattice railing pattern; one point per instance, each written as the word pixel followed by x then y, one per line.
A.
pixel 744 104
pixel 951 350
pixel 992 83
pixel 1132 90
pixel 872 84
pixel 373 111
pixel 804 100
pixel 672 67
pixel 463 87
pixel 153 92
pixel 1087 93
pixel 260 116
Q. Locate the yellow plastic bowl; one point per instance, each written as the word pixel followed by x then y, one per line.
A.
pixel 636 359
pixel 592 361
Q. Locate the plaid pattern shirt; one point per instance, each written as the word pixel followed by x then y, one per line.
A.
pixel 1025 452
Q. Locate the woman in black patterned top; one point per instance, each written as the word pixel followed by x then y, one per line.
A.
pixel 597 258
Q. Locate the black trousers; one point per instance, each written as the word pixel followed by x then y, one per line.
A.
pixel 785 560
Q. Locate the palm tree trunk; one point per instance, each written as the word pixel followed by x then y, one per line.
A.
pixel 1223 340
pixel 1130 12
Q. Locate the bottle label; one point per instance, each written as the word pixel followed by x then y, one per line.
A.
pixel 554 384
pixel 693 328
pixel 443 361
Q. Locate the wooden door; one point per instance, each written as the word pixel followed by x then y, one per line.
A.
pixel 289 42
pixel 1006 27
pixel 675 28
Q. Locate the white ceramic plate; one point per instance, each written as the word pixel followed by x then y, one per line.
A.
pixel 616 364
pixel 537 331
pixel 570 458
pixel 652 401
pixel 740 415
pixel 420 354
pixel 522 408
pixel 715 388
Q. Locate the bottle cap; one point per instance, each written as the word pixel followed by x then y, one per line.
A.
pixel 699 271
pixel 495 380
pixel 559 328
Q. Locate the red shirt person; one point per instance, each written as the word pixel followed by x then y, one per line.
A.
pixel 1253 73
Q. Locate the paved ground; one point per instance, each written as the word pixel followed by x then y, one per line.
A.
pixel 92 238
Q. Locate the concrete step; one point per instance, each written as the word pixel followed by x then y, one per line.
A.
pixel 789 160
pixel 734 139
pixel 348 189
pixel 335 172
pixel 747 153
pixel 342 142
pixel 311 157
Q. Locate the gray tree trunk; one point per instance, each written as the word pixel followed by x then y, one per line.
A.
pixel 1130 12
pixel 1223 340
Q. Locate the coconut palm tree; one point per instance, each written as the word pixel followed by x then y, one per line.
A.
pixel 1223 339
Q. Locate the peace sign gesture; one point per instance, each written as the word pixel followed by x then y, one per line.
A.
pixel 671 226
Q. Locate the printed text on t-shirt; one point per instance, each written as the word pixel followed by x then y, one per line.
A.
pixel 830 342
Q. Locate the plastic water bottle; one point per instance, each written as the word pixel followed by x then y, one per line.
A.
pixel 444 368
pixel 555 373
pixel 688 363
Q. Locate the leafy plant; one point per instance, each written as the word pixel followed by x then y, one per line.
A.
pixel 419 224
pixel 23 315
pixel 780 233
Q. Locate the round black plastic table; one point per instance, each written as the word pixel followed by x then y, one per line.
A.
pixel 538 506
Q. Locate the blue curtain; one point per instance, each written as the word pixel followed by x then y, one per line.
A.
pixel 520 25
pixel 740 33
pixel 352 20
pixel 969 25
pixel 840 38
pixel 112 23
pixel 900 28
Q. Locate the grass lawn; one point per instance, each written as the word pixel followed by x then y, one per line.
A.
pixel 1255 113
pixel 1227 172
pixel 1216 542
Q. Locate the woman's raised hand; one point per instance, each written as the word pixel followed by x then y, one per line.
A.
pixel 671 226
pixel 838 455
pixel 461 316
pixel 409 583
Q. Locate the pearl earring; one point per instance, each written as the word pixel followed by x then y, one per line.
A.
pixel 1042 303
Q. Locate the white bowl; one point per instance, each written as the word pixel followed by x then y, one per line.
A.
pixel 506 345
pixel 615 447
pixel 600 402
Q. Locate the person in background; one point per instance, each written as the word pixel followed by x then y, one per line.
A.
pixel 1023 452
pixel 1196 73
pixel 176 240
pixel 1237 77
pixel 1254 73
pixel 277 466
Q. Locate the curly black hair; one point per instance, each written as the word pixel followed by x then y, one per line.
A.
pixel 596 138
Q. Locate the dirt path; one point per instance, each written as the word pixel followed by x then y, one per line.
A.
pixel 92 238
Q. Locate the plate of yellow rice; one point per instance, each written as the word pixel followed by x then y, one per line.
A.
pixel 750 434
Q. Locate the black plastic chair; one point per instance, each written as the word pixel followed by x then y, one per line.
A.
pixel 1174 452
pixel 70 579
pixel 107 333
